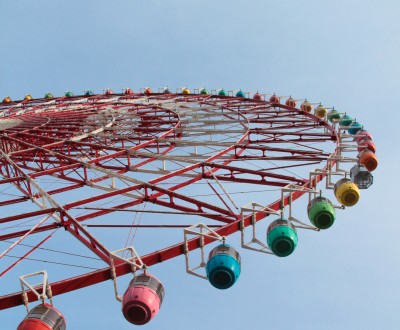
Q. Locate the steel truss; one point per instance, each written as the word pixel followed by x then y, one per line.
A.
pixel 137 150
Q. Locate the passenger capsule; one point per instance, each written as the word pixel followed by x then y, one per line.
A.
pixel 368 159
pixel 257 96
pixel 128 91
pixel 28 97
pixel 143 298
pixel 108 91
pixel 333 115
pixel 166 91
pixel 346 192
pixel 240 94
pixel 148 91
pixel 346 120
pixel 361 176
pixel 204 91
pixel 223 266
pixel 48 95
pixel 88 93
pixel 290 102
pixel 321 212
pixel 7 99
pixel 362 135
pixel 222 92
pixel 282 237
pixel 186 91
pixel 306 106
pixel 275 99
pixel 43 317
pixel 69 94
pixel 354 128
pixel 367 144
pixel 320 111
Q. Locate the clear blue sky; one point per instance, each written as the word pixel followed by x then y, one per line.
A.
pixel 342 53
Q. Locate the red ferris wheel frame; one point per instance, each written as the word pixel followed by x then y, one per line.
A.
pixel 71 138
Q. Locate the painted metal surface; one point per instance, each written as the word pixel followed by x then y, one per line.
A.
pixel 131 150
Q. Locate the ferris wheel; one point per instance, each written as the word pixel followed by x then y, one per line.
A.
pixel 129 180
